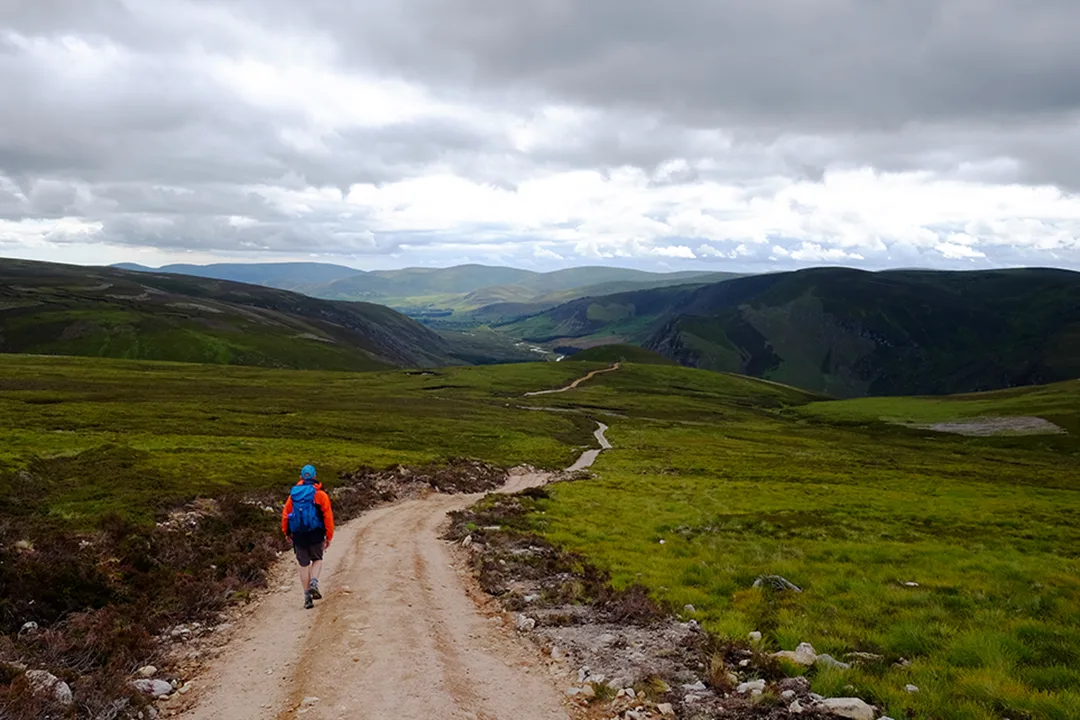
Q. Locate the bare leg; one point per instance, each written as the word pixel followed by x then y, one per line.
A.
pixel 305 576
pixel 316 568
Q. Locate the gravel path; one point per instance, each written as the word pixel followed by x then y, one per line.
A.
pixel 397 636
pixel 401 632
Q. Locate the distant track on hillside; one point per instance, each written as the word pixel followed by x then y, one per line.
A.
pixel 574 384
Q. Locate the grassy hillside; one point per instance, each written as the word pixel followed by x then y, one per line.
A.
pixel 738 476
pixel 847 332
pixel 620 353
pixel 106 312
pixel 1058 403
pixel 736 486
pixel 631 317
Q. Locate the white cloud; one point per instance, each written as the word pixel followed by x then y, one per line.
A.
pixel 956 251
pixel 674 251
pixel 544 254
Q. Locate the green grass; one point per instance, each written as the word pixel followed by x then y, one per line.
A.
pixel 1059 403
pixel 738 476
pixel 620 353
pixel 130 437
pixel 989 528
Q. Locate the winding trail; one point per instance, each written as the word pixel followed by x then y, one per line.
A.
pixel 574 384
pixel 402 633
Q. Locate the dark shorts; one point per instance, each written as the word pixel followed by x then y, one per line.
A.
pixel 307 554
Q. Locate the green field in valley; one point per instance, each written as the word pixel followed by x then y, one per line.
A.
pixel 738 477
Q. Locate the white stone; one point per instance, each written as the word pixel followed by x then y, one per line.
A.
pixel 157 688
pixel 695 687
pixel 557 653
pixel 750 686
pixel 689 609
pixel 525 623
pixel 851 708
pixel 755 636
pixel 467 541
pixel 147 671
pixel 631 692
pixel 309 701
pixel 795 708
pixel 788 695
pixel 44 682
pixel 911 688
pixel 666 709
pixel 588 692
pixel 28 627
pixel 830 661
pixel 804 654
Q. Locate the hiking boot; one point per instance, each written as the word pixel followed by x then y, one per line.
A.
pixel 313 589
pixel 308 602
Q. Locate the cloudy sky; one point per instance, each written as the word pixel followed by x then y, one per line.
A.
pixel 744 134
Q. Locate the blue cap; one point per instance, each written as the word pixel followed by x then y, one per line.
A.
pixel 308 472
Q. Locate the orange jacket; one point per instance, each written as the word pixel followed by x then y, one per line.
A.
pixel 322 501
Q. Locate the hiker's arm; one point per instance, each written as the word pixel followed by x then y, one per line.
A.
pixel 328 514
pixel 285 517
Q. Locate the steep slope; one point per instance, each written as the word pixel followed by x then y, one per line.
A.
pixel 621 318
pixel 853 333
pixel 847 332
pixel 67 310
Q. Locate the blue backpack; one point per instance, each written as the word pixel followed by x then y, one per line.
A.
pixel 304 517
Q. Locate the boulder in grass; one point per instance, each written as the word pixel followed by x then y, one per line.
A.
pixel 850 708
pixel 45 683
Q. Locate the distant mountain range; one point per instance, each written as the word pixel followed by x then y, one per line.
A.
pixel 109 312
pixel 845 332
pixel 444 297
pixel 830 330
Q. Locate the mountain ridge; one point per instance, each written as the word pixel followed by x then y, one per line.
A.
pixel 846 332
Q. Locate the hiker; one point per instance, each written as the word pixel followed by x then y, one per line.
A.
pixel 308 521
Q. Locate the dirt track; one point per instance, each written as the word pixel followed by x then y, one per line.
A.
pixel 574 384
pixel 397 636
pixel 400 634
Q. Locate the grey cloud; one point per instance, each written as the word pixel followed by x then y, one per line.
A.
pixel 790 64
pixel 746 91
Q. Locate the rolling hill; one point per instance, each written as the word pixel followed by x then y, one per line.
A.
pixel 845 332
pixel 108 312
pixel 621 354
pixel 286 276
pixel 455 296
